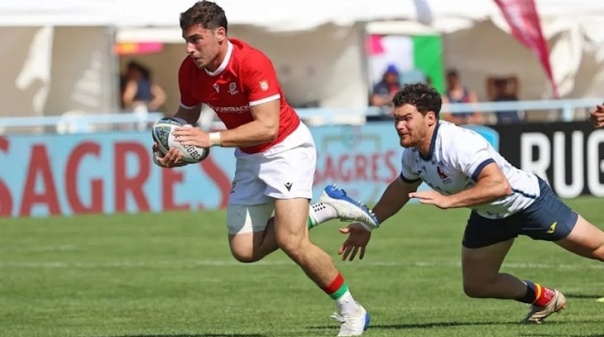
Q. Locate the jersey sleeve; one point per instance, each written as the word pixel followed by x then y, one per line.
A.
pixel 259 79
pixel 407 175
pixel 185 80
pixel 470 153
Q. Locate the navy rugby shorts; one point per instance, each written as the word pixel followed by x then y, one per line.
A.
pixel 547 218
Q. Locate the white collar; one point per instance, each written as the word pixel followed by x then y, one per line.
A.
pixel 224 63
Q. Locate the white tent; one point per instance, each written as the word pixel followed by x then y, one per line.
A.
pixel 273 14
pixel 322 35
pixel 53 70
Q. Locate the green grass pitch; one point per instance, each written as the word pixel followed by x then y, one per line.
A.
pixel 171 274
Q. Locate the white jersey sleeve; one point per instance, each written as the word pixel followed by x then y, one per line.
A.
pixel 469 153
pixel 407 173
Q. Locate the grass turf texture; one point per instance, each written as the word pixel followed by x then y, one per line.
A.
pixel 172 275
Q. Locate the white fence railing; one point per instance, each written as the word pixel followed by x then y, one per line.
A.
pixel 564 110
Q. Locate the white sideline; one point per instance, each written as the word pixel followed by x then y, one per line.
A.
pixel 233 263
pixel 60 248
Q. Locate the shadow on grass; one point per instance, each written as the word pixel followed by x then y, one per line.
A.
pixel 431 325
pixel 194 335
pixel 558 335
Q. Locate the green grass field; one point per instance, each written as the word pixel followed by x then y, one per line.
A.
pixel 172 275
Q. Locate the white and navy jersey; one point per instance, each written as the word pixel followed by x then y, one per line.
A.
pixel 456 158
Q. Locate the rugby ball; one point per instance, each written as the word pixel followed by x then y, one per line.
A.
pixel 162 135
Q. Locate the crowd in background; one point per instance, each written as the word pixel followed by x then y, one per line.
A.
pixel 499 89
pixel 140 94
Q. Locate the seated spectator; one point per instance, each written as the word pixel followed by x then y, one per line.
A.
pixel 139 93
pixel 383 92
pixel 504 89
pixel 457 93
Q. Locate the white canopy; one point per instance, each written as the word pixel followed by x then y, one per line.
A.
pixel 474 34
pixel 273 14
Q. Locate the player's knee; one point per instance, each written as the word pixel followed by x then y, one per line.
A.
pixel 292 245
pixel 244 251
pixel 598 253
pixel 476 289
pixel 245 256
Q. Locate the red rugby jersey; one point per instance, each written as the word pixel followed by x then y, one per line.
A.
pixel 245 78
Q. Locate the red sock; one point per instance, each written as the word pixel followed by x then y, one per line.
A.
pixel 337 288
pixel 544 295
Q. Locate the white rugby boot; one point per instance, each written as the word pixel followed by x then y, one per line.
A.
pixel 353 324
pixel 348 209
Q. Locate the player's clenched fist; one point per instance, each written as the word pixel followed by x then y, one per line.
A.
pixel 597 116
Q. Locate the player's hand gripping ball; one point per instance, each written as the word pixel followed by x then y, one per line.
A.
pixel 162 135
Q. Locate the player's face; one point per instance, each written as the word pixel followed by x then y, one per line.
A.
pixel 203 45
pixel 412 127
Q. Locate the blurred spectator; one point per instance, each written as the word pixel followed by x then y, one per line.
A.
pixel 505 89
pixel 139 93
pixel 457 93
pixel 384 91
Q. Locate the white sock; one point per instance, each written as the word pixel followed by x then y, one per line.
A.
pixel 346 304
pixel 319 213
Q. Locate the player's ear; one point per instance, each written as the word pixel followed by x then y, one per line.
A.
pixel 431 118
pixel 221 34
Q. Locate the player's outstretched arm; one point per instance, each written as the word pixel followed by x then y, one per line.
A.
pixel 490 186
pixel 393 199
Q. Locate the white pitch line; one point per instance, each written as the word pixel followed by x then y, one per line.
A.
pixel 233 263
pixel 38 249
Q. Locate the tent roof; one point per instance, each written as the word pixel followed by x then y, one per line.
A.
pixel 272 14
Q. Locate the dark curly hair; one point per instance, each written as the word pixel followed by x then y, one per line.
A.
pixel 422 96
pixel 205 13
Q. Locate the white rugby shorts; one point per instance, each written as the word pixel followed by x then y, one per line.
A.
pixel 284 171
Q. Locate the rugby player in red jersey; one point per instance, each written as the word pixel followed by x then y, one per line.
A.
pixel 275 156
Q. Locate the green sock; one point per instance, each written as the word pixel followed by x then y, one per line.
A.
pixel 310 223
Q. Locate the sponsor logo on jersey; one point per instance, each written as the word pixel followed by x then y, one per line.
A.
pixel 442 175
pixel 440 172
pixel 230 109
pixel 233 88
pixel 263 85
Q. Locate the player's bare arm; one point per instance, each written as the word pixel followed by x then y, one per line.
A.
pixel 263 129
pixel 392 200
pixel 490 186
pixel 190 115
pixel 191 135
